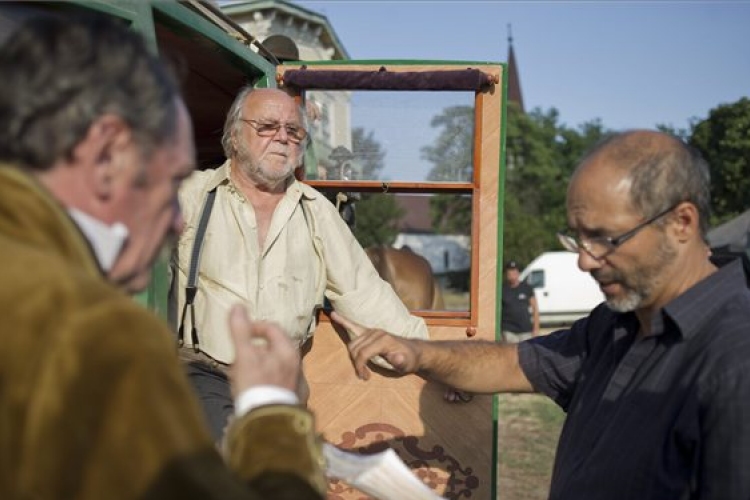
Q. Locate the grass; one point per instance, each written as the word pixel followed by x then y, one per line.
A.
pixel 529 427
pixel 455 300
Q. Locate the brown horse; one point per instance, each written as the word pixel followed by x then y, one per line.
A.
pixel 410 275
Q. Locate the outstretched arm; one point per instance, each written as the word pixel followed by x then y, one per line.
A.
pixel 476 366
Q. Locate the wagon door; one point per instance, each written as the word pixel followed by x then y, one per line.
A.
pixel 418 149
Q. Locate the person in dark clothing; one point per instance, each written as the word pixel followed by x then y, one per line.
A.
pixel 656 380
pixel 520 314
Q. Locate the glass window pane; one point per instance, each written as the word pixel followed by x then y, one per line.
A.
pixel 420 243
pixel 535 279
pixel 391 136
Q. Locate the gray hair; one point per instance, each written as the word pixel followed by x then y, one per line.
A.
pixel 232 122
pixel 663 171
pixel 60 74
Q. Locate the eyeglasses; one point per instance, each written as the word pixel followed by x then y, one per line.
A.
pixel 601 246
pixel 295 133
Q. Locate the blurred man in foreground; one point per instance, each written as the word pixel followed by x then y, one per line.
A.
pixel 93 403
pixel 656 381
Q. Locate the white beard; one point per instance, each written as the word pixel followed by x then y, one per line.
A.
pixel 259 173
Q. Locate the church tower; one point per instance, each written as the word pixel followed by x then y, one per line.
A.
pixel 514 82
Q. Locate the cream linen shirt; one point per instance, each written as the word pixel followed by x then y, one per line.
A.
pixel 307 253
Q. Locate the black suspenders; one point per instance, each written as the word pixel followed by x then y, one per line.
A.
pixel 192 283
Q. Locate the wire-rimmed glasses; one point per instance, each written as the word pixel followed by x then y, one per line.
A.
pixel 601 246
pixel 264 128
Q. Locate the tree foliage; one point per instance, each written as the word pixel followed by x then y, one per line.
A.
pixel 451 214
pixel 377 220
pixel 368 153
pixel 451 154
pixel 536 184
pixel 724 141
pixel 541 153
pixel 377 215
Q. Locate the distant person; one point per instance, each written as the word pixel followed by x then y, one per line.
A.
pixel 94 404
pixel 273 243
pixel 520 313
pixel 655 381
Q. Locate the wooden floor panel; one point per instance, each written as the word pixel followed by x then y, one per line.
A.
pixel 448 446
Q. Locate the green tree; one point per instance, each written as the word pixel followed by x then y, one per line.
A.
pixel 682 133
pixel 541 154
pixel 532 197
pixel 451 214
pixel 550 152
pixel 368 153
pixel 377 217
pixel 724 141
pixel 451 155
pixel 524 236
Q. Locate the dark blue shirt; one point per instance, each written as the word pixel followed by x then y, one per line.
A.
pixel 662 417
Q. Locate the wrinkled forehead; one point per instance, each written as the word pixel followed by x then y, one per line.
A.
pixel 598 190
pixel 599 176
pixel 271 104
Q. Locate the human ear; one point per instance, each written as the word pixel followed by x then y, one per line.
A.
pixel 686 221
pixel 109 137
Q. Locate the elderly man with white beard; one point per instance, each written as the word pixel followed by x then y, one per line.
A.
pixel 656 380
pixel 270 242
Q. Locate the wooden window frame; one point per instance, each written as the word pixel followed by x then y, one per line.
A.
pixel 470 318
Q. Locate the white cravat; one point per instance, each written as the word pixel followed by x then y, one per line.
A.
pixel 106 240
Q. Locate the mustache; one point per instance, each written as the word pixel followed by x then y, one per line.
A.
pixel 279 148
pixel 606 277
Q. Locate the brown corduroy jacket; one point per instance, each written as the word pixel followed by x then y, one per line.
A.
pixel 93 402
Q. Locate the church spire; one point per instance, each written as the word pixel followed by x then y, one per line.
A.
pixel 514 82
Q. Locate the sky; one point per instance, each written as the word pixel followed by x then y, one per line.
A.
pixel 632 64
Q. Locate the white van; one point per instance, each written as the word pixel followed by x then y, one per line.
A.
pixel 563 292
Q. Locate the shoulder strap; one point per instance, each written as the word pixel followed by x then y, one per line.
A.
pixel 192 284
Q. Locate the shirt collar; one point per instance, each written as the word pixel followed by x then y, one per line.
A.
pixel 220 176
pixel 689 313
pixel 697 307
pixel 303 190
pixel 106 240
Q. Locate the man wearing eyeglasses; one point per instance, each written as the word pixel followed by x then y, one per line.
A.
pixel 271 242
pixel 656 380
